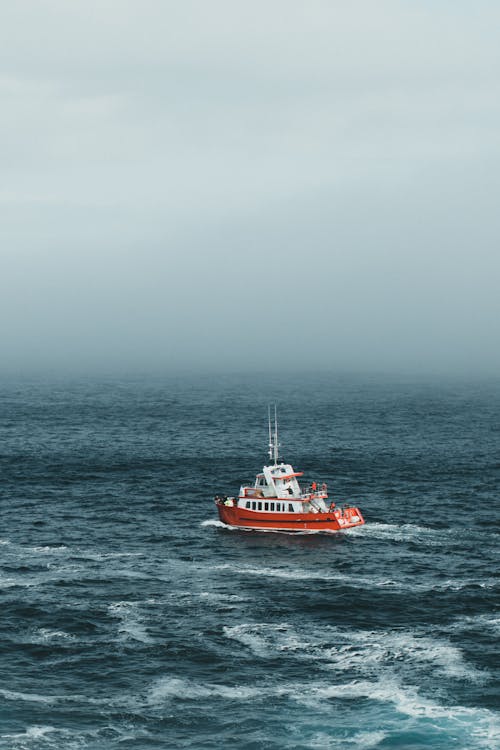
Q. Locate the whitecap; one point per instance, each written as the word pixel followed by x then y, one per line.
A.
pixel 48 550
pixel 18 581
pixel 169 688
pixel 210 596
pixel 487 622
pixel 33 733
pixel 131 626
pixel 45 635
pixel 480 725
pixel 359 741
pixel 13 695
pixel 264 639
pixel 366 652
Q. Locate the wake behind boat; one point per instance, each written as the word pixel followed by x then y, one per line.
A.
pixel 277 502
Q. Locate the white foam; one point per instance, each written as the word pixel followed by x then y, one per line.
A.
pixel 220 525
pixel 355 580
pixel 122 701
pixel 406 532
pixel 31 733
pixel 263 638
pixel 359 741
pixel 45 635
pixel 217 524
pixel 459 584
pixel 13 695
pixel 487 622
pixel 413 647
pixel 300 574
pixel 367 740
pixel 21 582
pixel 131 626
pixel 480 725
pixel 210 596
pixel 169 688
pixel 365 652
pixel 293 574
pixel 47 550
pixel 98 556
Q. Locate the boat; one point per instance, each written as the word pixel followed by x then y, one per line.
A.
pixel 277 502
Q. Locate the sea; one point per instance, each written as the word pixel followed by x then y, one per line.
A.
pixel 130 617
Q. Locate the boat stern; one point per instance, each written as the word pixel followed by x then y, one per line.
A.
pixel 348 517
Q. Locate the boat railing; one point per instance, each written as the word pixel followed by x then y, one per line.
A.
pixel 314 490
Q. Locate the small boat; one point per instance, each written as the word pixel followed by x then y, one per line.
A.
pixel 277 502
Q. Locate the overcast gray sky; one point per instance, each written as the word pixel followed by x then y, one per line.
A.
pixel 266 184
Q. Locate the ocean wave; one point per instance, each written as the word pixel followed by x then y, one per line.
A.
pixel 210 596
pixel 17 582
pixel 13 695
pixel 480 726
pixel 131 625
pixel 78 553
pixel 407 700
pixel 47 549
pixel 45 635
pixel 213 522
pixel 366 652
pixel 34 736
pixel 406 532
pixel 488 622
pixel 122 701
pixel 39 736
pixel 359 741
pixel 167 688
pixel 403 584
pixel 98 556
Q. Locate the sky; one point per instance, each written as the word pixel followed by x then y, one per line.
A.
pixel 249 186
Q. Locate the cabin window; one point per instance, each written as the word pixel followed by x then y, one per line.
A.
pixel 254 505
pixel 278 506
pixel 266 506
pixel 259 506
pixel 272 506
pixel 290 508
pixel 247 504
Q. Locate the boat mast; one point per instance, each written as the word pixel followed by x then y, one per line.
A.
pixel 271 447
pixel 275 436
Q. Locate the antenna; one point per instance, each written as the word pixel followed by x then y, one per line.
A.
pixel 276 444
pixel 271 447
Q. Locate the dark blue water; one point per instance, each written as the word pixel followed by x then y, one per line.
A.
pixel 131 619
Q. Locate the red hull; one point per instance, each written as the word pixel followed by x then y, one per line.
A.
pixel 249 519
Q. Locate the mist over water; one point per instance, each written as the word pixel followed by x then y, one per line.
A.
pixel 132 618
pixel 222 186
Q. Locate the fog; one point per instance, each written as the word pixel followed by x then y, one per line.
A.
pixel 249 186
